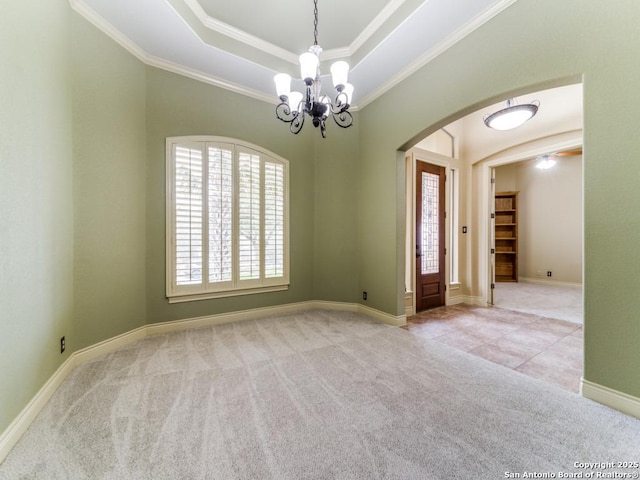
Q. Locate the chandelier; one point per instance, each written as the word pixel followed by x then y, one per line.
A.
pixel 512 115
pixel 294 106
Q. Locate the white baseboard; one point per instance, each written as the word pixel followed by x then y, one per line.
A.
pixel 395 320
pixel 544 281
pixel 222 318
pixel 21 423
pixel 457 300
pixel 409 308
pixel 87 354
pixel 611 398
pixel 477 301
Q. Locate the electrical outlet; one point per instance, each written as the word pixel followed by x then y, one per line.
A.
pixel 364 296
pixel 63 344
pixel 549 273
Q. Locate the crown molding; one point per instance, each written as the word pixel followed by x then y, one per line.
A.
pixel 335 54
pixel 441 47
pixel 210 79
pixel 240 35
pixel 271 49
pixel 112 32
pixel 375 25
pixel 98 21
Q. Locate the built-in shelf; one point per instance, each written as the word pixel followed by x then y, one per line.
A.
pixel 506 236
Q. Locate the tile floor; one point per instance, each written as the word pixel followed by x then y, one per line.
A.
pixel 543 348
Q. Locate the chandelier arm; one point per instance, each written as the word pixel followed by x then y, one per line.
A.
pixel 284 113
pixel 297 122
pixel 341 104
pixel 343 119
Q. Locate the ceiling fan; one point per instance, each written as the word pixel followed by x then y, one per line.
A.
pixel 545 162
pixel 569 153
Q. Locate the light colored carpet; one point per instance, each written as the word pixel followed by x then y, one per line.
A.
pixel 551 301
pixel 316 395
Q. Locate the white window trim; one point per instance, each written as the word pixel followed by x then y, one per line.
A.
pixel 454 219
pixel 176 294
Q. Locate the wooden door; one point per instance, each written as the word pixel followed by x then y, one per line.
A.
pixel 430 248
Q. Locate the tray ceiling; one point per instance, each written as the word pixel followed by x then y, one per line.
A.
pixel 241 45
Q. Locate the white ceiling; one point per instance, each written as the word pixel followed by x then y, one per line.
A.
pixel 241 44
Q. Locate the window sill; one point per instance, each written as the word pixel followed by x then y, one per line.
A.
pixel 192 297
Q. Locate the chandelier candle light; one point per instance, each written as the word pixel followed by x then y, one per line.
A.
pixel 294 106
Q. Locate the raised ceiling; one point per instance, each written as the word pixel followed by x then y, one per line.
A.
pixel 288 24
pixel 241 44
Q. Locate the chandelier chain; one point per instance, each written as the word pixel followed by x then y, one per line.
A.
pixel 315 22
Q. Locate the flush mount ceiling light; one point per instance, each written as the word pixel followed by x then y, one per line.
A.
pixel 546 161
pixel 512 116
pixel 294 106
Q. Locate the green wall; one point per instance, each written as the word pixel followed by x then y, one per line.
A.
pixel 72 193
pixel 533 44
pixel 36 205
pixel 109 186
pixel 180 106
pixel 335 253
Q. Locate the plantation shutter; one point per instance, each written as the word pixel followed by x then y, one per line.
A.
pixel 220 206
pixel 227 219
pixel 188 215
pixel 249 220
pixel 273 219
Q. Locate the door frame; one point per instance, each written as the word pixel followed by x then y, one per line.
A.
pixel 413 156
pixel 572 140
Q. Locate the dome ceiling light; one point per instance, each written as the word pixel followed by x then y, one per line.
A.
pixel 512 116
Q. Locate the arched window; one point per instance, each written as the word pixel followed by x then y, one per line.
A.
pixel 227 219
